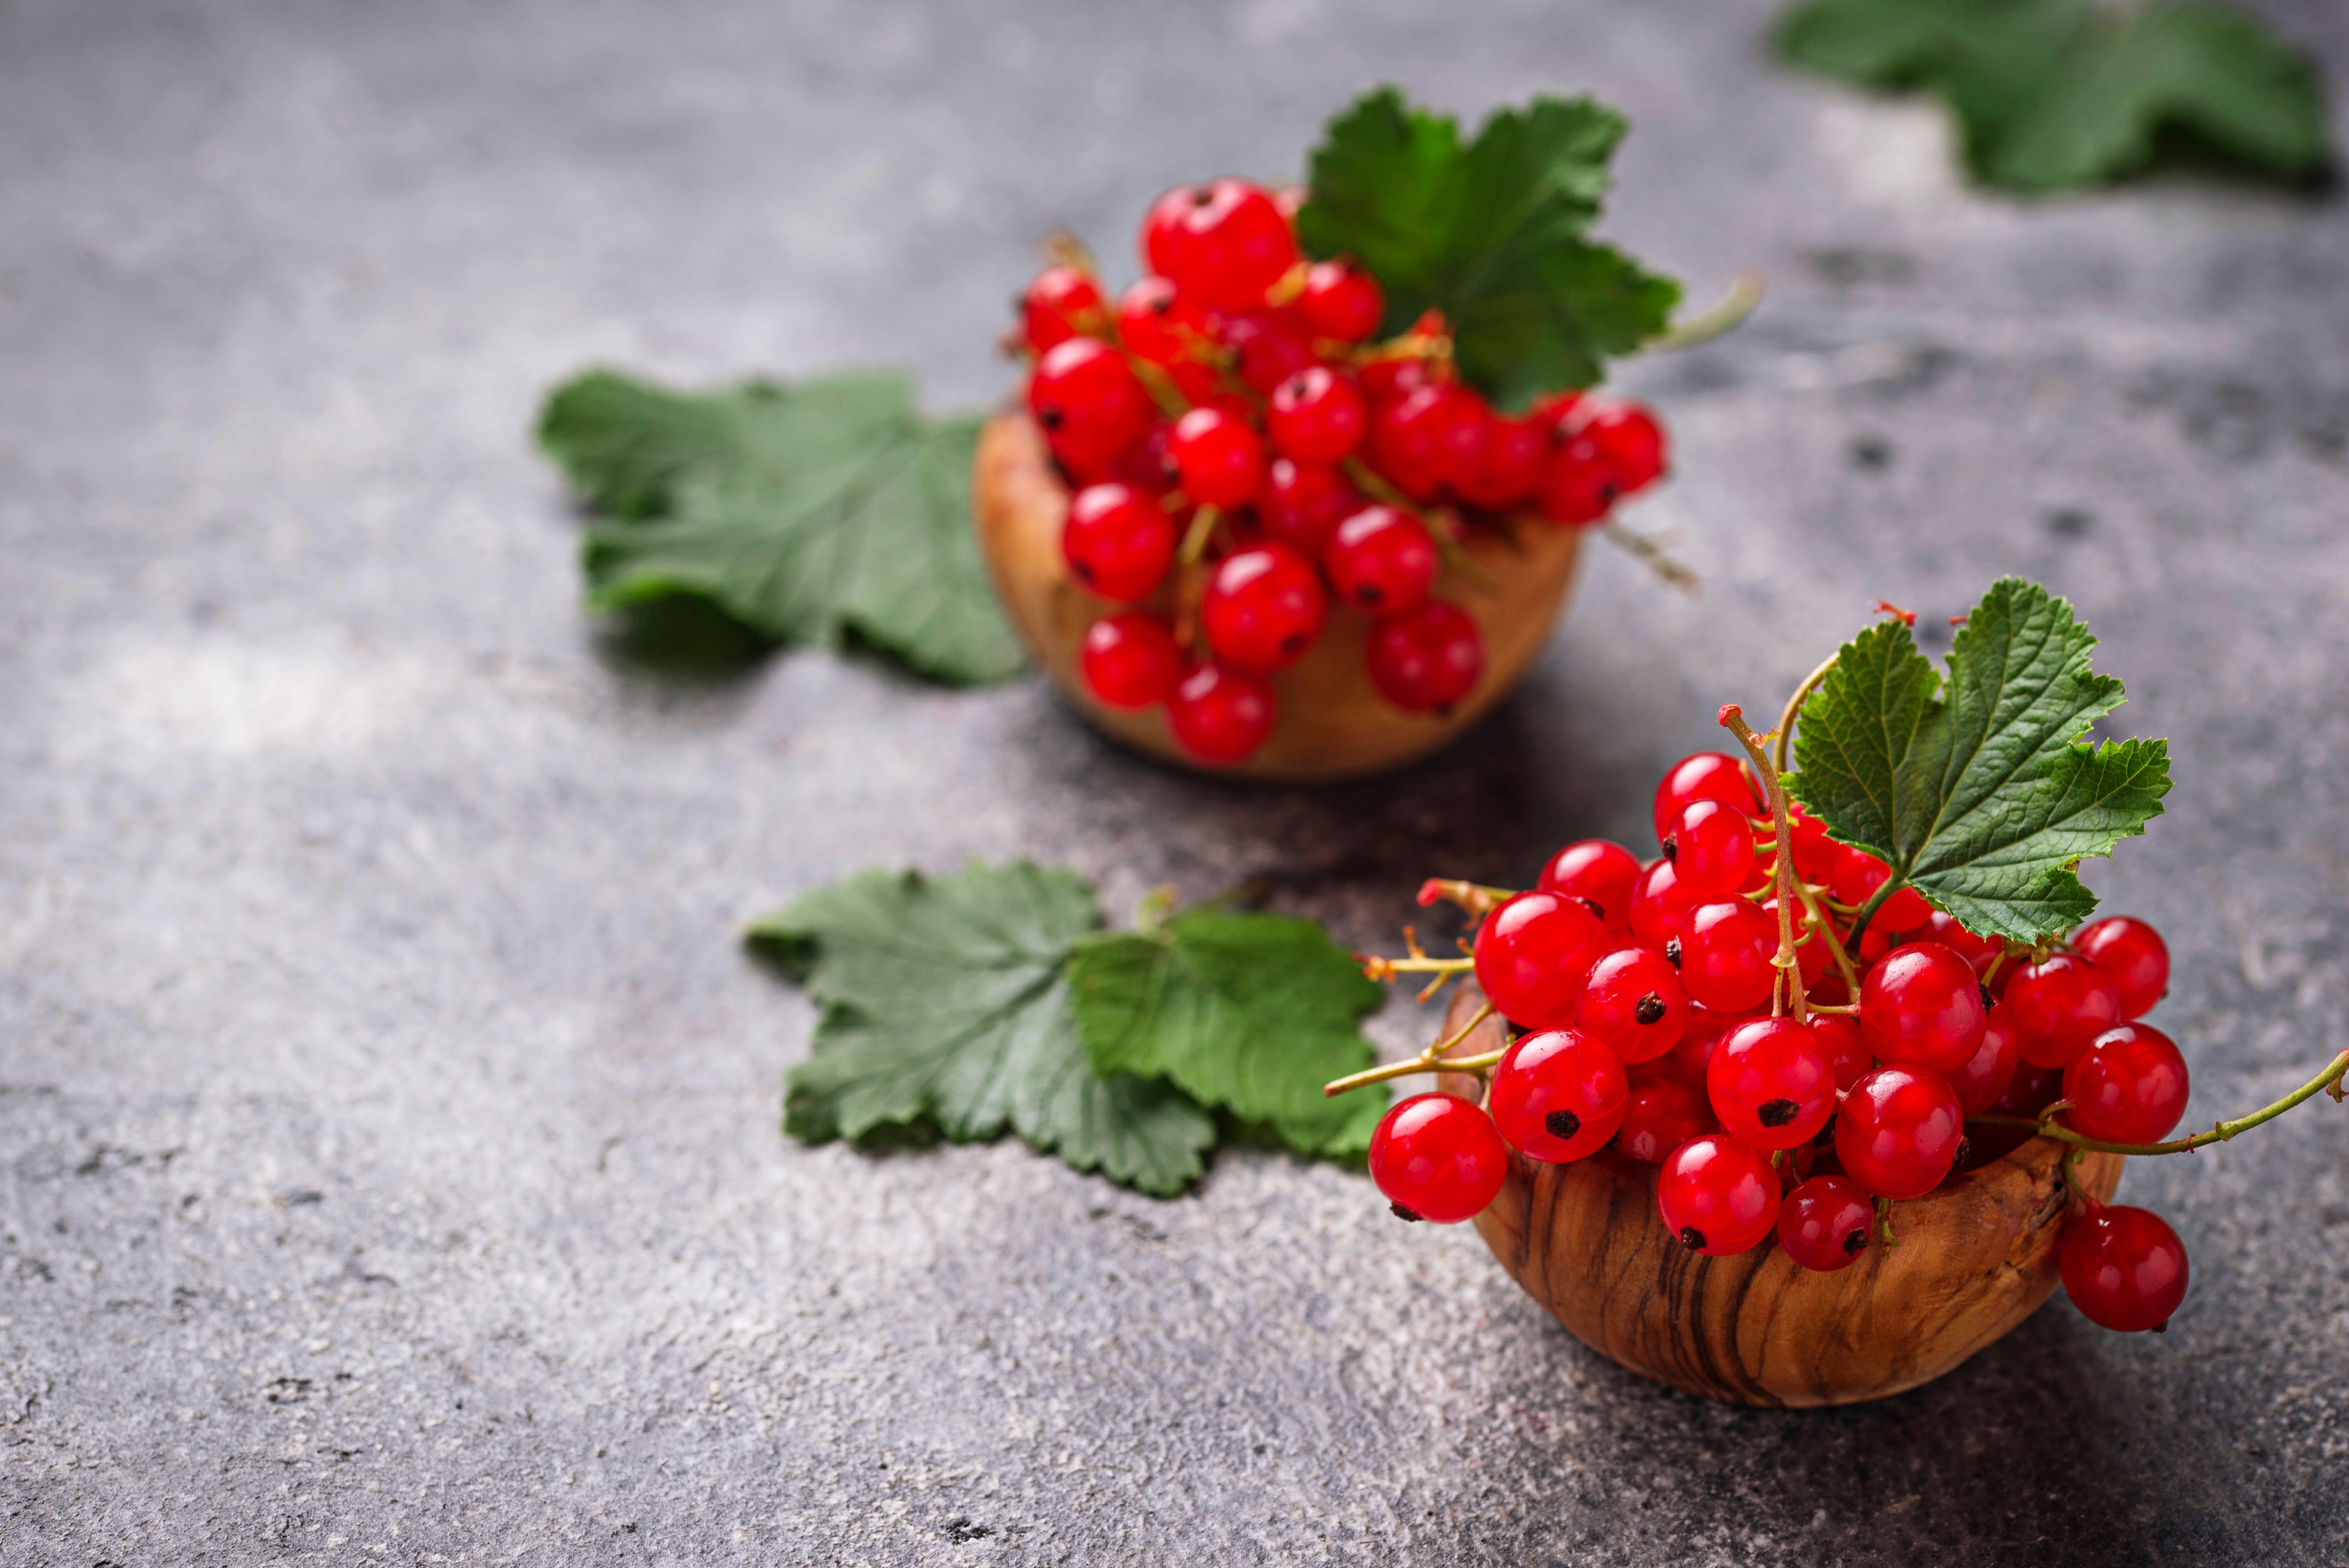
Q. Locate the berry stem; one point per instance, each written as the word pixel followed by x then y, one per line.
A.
pixel 1793 708
pixel 1745 294
pixel 1428 1061
pixel 1785 986
pixel 1650 554
pixel 1377 968
pixel 2328 1081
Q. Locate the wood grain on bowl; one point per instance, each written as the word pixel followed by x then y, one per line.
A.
pixel 1332 724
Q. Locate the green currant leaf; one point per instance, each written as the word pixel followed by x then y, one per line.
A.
pixel 2051 93
pixel 1250 1013
pixel 1978 788
pixel 1490 232
pixel 946 1003
pixel 818 514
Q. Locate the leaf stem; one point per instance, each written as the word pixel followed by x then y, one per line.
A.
pixel 1745 294
pixel 2328 1081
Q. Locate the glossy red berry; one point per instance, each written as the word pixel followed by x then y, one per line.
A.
pixel 1711 846
pixel 2058 1006
pixel 1386 381
pixel 1816 855
pixel 1660 1115
pixel 1985 1075
pixel 1062 303
pixel 1302 505
pixel 1220 716
pixel 1858 874
pixel 1921 1005
pixel 1825 1223
pixel 1726 947
pixel 1705 776
pixel 1659 904
pixel 1436 1156
pixel 1341 300
pixel 2029 1091
pixel 1718 1195
pixel 1088 400
pixel 1382 561
pixel 1532 954
pixel 1629 437
pixel 1597 870
pixel 1467 441
pixel 1690 1058
pixel 1509 474
pixel 1898 1131
pixel 1158 325
pixel 1263 607
pixel 1414 438
pixel 1219 456
pixel 2123 1268
pixel 1578 484
pixel 1847 1051
pixel 1225 242
pixel 1632 1003
pixel 2132 955
pixel 1558 1096
pixel 1267 350
pixel 1117 540
pixel 1130 661
pixel 2128 1085
pixel 1979 952
pixel 1318 416
pixel 1426 661
pixel 1770 1083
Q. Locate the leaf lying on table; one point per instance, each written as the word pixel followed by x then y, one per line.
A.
pixel 1980 791
pixel 948 1005
pixel 814 513
pixel 2056 93
pixel 1490 232
pixel 1253 1013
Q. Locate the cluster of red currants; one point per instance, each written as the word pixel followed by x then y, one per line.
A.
pixel 1648 994
pixel 1231 413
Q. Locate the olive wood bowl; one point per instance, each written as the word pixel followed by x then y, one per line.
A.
pixel 1331 723
pixel 1973 1258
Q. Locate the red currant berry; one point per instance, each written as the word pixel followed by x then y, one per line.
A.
pixel 1839 1036
pixel 1426 661
pixel 2058 1006
pixel 1382 561
pixel 1558 1096
pixel 1062 303
pixel 1341 300
pixel 1301 506
pixel 1220 457
pixel 1630 439
pixel 1599 871
pixel 1922 1005
pixel 1509 473
pixel 1660 1115
pixel 1725 951
pixel 1824 1225
pixel 1532 954
pixel 1578 484
pixel 1164 233
pixel 1414 440
pixel 1706 776
pixel 1118 542
pixel 1158 325
pixel 2029 1091
pixel 1087 401
pixel 1978 950
pixel 1718 1195
pixel 1689 1060
pixel 1220 716
pixel 1267 351
pixel 2123 1268
pixel 1436 1156
pixel 1386 381
pixel 1467 439
pixel 1659 904
pixel 1987 1073
pixel 1897 1132
pixel 1711 847
pixel 1858 874
pixel 1130 661
pixel 1263 607
pixel 1229 243
pixel 2132 955
pixel 2128 1086
pixel 1318 416
pixel 1770 1083
pixel 1632 1003
pixel 1816 855
pixel 1812 954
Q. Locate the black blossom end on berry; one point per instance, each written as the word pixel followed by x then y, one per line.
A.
pixel 1368 595
pixel 1691 1238
pixel 1856 1243
pixel 1562 1124
pixel 1989 1001
pixel 1400 1213
pixel 1672 848
pixel 1965 1147
pixel 2161 1327
pixel 1084 573
pixel 1598 912
pixel 1826 1136
pixel 1050 418
pixel 1293 644
pixel 1672 951
pixel 1649 1008
pixel 1778 1112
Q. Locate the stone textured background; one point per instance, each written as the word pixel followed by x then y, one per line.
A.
pixel 389 1168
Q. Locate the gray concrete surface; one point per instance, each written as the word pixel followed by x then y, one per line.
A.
pixel 389 1168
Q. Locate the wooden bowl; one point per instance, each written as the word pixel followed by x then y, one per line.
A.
pixel 1333 724
pixel 1974 1257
